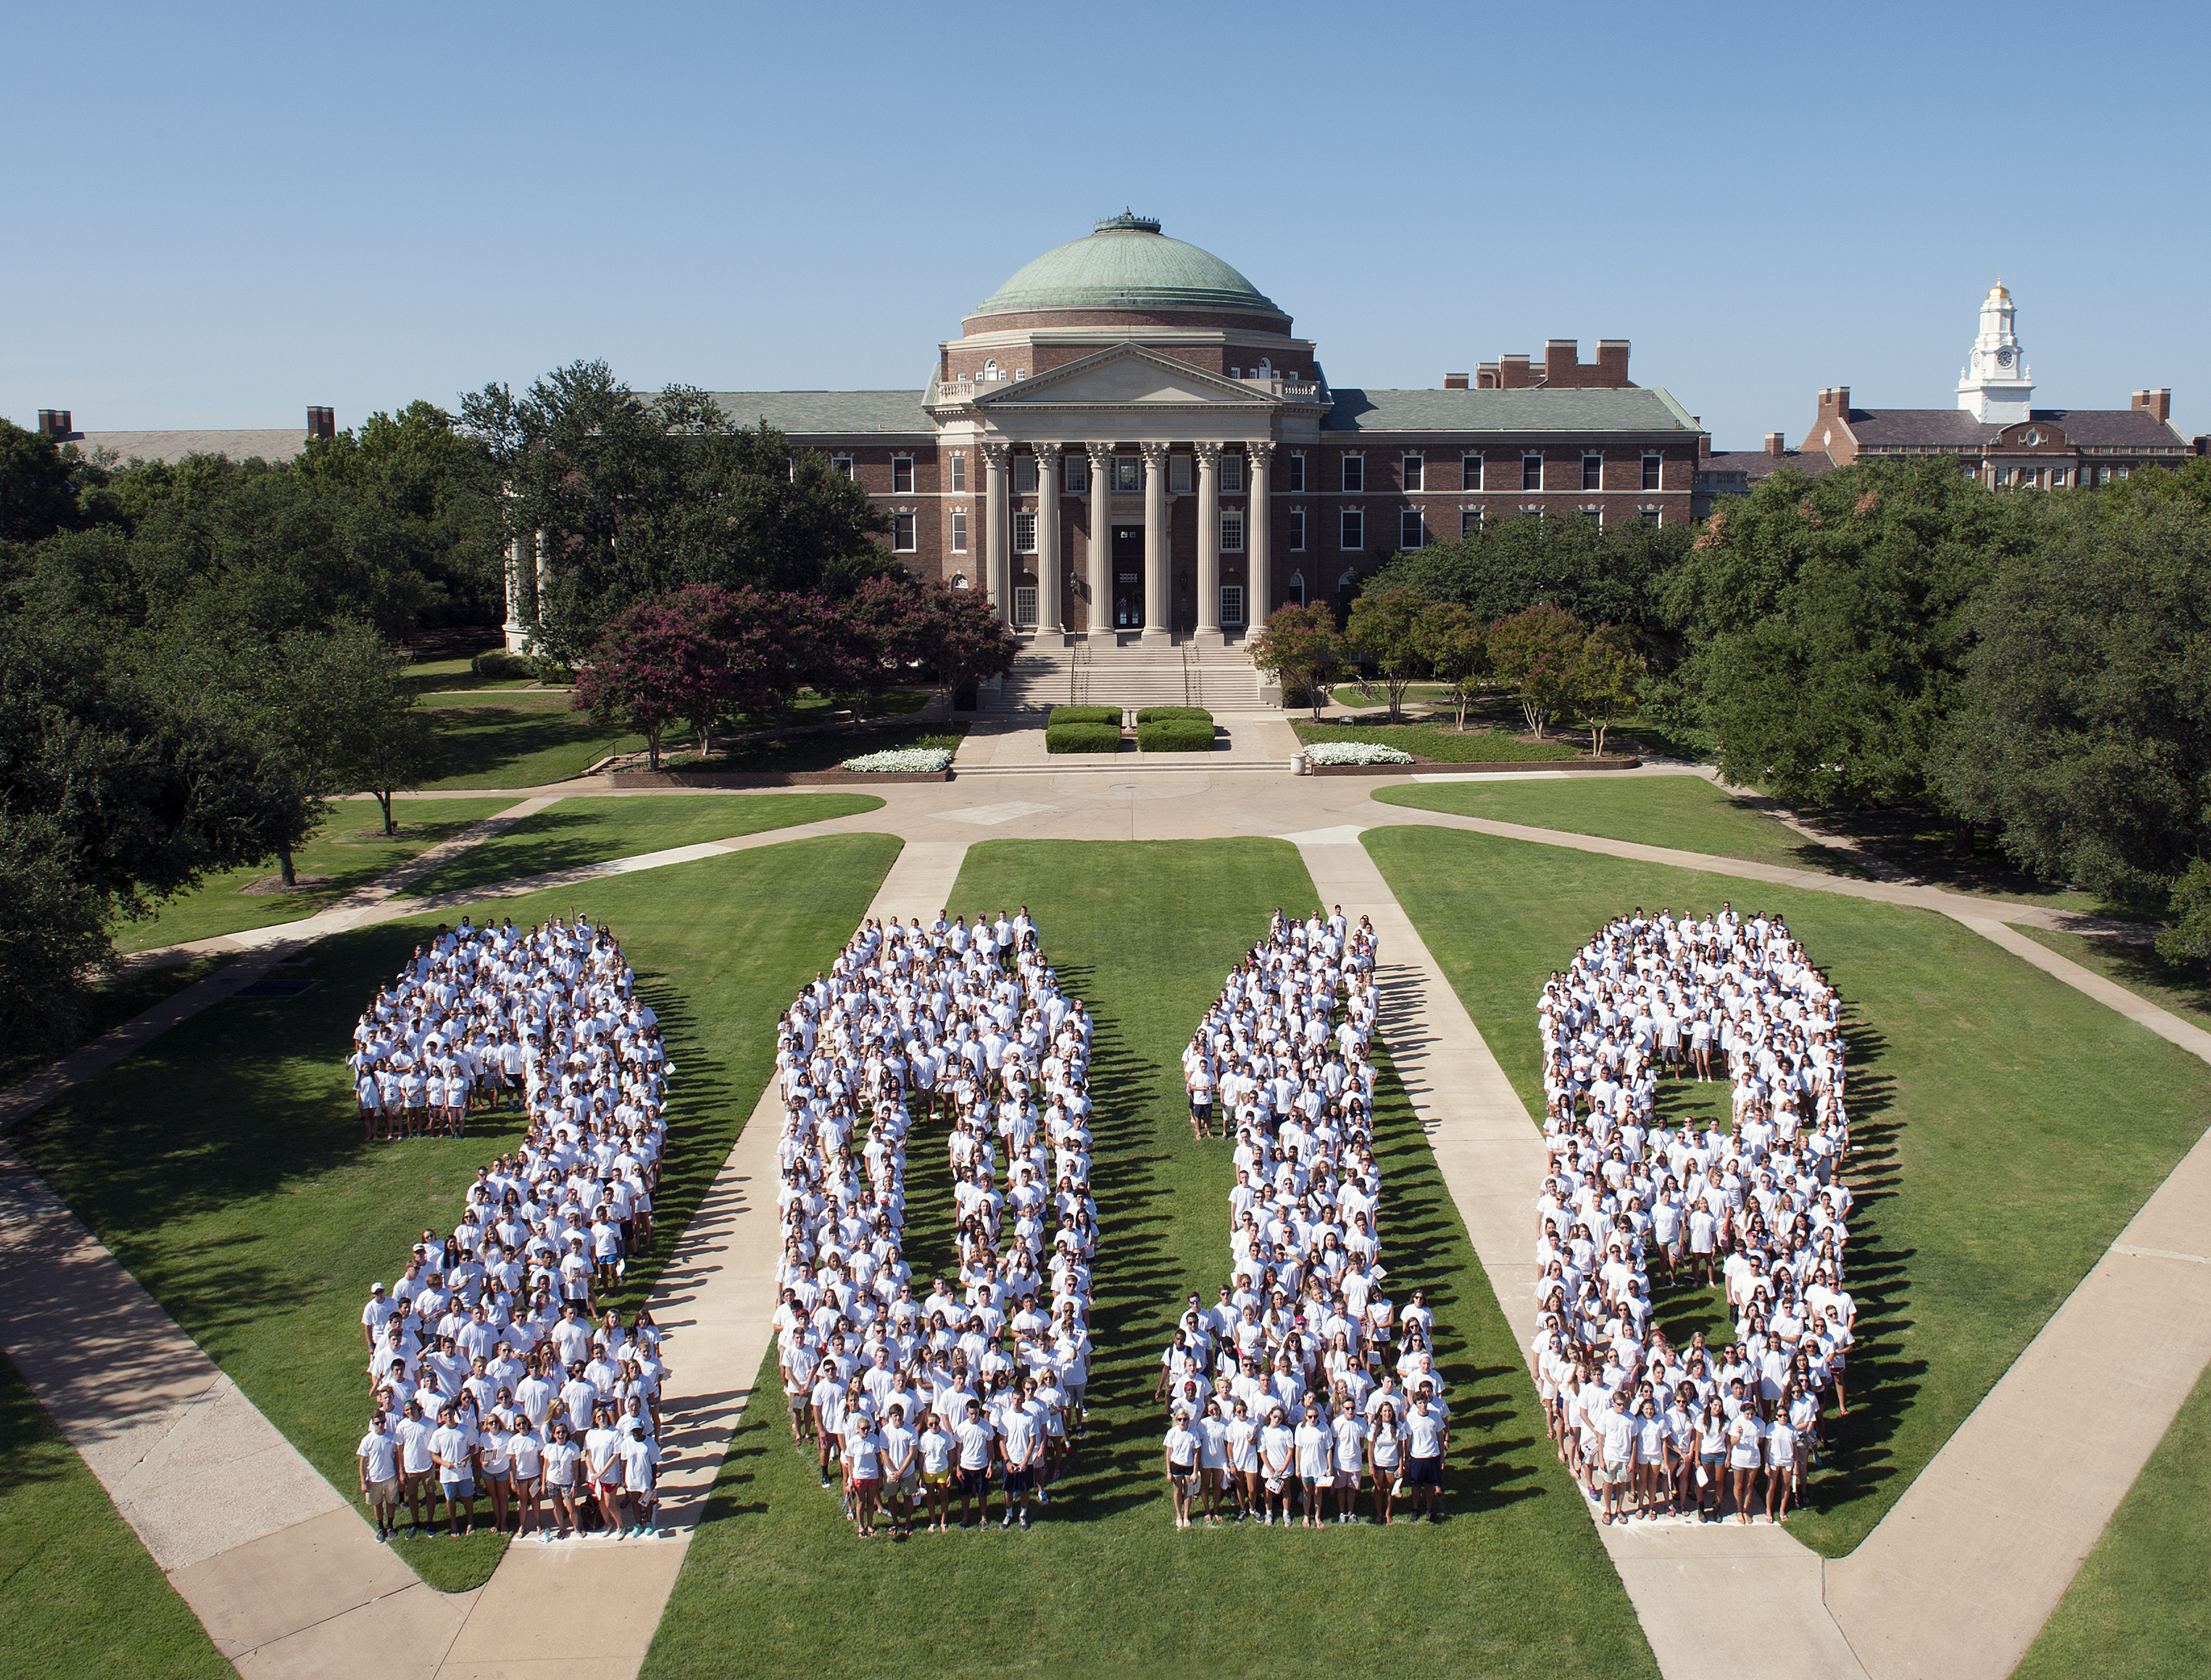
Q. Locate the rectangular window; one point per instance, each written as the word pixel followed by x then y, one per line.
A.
pixel 1025 476
pixel 959 485
pixel 2056 478
pixel 1469 472
pixel 1591 515
pixel 1128 473
pixel 1592 472
pixel 960 532
pixel 1293 527
pixel 1411 533
pixel 902 533
pixel 1649 516
pixel 1531 472
pixel 1355 472
pixel 1351 530
pixel 1025 533
pixel 1232 474
pixel 1179 475
pixel 1410 468
pixel 1078 474
pixel 901 475
pixel 841 465
pixel 1025 612
pixel 1651 464
pixel 1293 475
pixel 1469 521
pixel 1232 531
pixel 1231 603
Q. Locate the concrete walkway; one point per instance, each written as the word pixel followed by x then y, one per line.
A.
pixel 1955 1582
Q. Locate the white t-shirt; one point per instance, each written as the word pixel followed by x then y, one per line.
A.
pixel 379 1455
pixel 1423 1431
pixel 975 1439
pixel 1182 1448
pixel 1018 1429
pixel 936 1452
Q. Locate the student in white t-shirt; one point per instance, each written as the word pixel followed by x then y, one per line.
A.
pixel 1316 1463
pixel 563 1460
pixel 525 1450
pixel 1350 1452
pixel 378 1456
pixel 936 1449
pixel 1277 1463
pixel 1386 1457
pixel 978 1441
pixel 1212 1432
pixel 1182 1455
pixel 417 1467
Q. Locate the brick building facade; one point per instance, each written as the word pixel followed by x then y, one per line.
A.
pixel 1128 439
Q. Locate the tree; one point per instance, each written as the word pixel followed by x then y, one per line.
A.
pixel 1538 653
pixel 1385 625
pixel 1301 648
pixel 1601 574
pixel 1607 683
pixel 955 637
pixel 38 490
pixel 2187 939
pixel 2083 728
pixel 635 496
pixel 381 741
pixel 1455 643
pixel 1827 626
pixel 53 926
pixel 637 672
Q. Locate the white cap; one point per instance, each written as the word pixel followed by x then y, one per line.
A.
pixel 376 1288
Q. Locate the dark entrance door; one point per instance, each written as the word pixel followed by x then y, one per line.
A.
pixel 1128 577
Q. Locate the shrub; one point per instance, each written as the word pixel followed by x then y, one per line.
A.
pixel 1084 715
pixel 1082 738
pixel 1356 753
pixel 907 760
pixel 497 665
pixel 1176 735
pixel 1161 714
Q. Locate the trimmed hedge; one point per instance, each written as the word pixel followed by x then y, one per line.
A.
pixel 497 665
pixel 1082 738
pixel 1162 714
pixel 1175 735
pixel 1084 715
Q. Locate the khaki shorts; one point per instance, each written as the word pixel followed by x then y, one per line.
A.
pixel 384 1492
pixel 902 1487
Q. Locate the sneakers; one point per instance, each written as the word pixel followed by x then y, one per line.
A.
pixel 1025 1518
pixel 1044 1495
pixel 1007 1520
pixel 384 1536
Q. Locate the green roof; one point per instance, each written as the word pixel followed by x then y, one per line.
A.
pixel 830 414
pixel 1127 263
pixel 1514 411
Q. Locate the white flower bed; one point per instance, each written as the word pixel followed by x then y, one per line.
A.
pixel 903 760
pixel 1356 753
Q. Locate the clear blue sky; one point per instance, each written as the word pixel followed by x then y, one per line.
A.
pixel 223 214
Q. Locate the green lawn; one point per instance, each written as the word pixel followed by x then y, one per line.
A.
pixel 2137 967
pixel 525 745
pixel 1515 1583
pixel 591 829
pixel 352 849
pixel 1993 1167
pixel 223 1164
pixel 2140 1605
pixel 108 1004
pixel 442 676
pixel 1441 742
pixel 78 1593
pixel 1685 813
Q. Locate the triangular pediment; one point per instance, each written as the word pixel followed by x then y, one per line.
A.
pixel 1127 376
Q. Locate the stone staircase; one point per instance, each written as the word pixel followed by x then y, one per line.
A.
pixel 1083 673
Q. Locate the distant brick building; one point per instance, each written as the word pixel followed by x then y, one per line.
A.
pixel 1994 430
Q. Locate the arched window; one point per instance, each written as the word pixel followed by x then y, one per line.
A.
pixel 1297 589
pixel 991 368
pixel 959 580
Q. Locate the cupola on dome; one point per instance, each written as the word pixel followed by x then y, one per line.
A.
pixel 1127 263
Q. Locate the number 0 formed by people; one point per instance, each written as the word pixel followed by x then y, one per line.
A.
pixel 1303 1382
pixel 912 1394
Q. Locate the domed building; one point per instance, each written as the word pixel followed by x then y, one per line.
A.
pixel 1129 444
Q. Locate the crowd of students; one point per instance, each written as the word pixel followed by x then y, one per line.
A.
pixel 495 1372
pixel 1303 1383
pixel 1650 1426
pixel 910 1403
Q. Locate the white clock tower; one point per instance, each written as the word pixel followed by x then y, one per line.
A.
pixel 1995 386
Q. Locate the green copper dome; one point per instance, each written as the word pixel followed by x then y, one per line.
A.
pixel 1127 263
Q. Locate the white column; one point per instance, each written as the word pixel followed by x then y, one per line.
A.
pixel 517 631
pixel 1258 544
pixel 1047 554
pixel 1208 543
pixel 544 580
pixel 1100 557
pixel 997 576
pixel 1158 622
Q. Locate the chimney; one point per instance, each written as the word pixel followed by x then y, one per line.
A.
pixel 1612 363
pixel 1835 403
pixel 322 422
pixel 2157 403
pixel 1455 381
pixel 55 423
pixel 1513 374
pixel 1704 439
pixel 1562 358
pixel 1774 446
